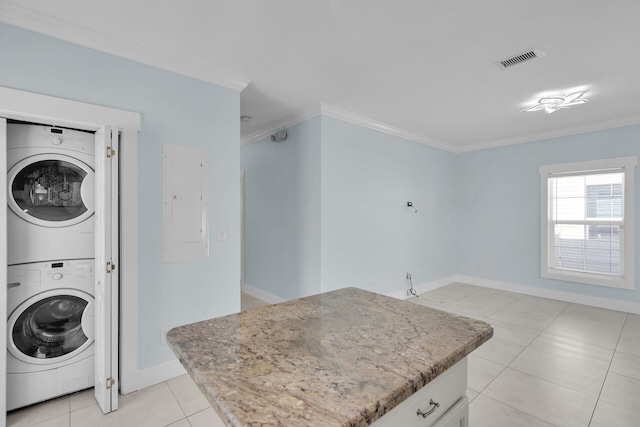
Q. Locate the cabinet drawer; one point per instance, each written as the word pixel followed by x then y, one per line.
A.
pixel 445 391
pixel 456 416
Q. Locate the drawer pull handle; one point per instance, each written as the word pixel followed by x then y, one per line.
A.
pixel 430 411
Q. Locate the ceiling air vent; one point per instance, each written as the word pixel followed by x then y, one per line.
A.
pixel 521 57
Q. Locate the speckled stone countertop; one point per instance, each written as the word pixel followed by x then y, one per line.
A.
pixel 342 358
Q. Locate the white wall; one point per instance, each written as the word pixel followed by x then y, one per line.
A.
pixel 175 110
pixel 282 213
pixel 499 208
pixel 478 212
pixel 327 209
pixel 368 232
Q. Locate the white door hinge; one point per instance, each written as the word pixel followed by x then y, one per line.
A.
pixel 110 152
pixel 110 267
pixel 110 382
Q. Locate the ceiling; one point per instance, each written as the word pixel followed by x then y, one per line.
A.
pixel 427 70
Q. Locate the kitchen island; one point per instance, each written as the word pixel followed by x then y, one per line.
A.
pixel 342 358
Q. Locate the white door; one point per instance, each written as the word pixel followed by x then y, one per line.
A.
pixel 106 290
pixel 3 267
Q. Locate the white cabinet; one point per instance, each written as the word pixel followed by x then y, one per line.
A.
pixel 456 416
pixel 441 403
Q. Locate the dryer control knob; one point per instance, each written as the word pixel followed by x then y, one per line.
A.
pixel 56 276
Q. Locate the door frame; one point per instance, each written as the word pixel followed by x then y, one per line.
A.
pixel 28 106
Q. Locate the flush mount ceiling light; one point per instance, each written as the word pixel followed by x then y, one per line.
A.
pixel 245 118
pixel 556 102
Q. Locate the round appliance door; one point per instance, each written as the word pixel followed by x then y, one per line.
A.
pixel 51 190
pixel 51 327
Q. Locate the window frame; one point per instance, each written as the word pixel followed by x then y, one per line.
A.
pixel 627 280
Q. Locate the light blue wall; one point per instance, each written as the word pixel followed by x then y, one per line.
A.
pixel 175 110
pixel 327 209
pixel 282 212
pixel 499 207
pixel 368 232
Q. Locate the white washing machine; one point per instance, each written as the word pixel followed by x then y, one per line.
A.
pixel 50 330
pixel 50 193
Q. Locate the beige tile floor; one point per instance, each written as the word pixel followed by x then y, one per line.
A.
pixel 550 363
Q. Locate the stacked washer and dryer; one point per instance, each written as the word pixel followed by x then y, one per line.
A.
pixel 50 230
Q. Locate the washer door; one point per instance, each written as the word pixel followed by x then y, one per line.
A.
pixel 51 190
pixel 51 327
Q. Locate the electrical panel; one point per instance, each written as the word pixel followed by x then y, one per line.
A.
pixel 185 216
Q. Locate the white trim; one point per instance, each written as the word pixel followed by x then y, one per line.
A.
pixel 356 119
pixel 424 287
pixel 304 115
pixel 590 165
pixel 345 116
pixel 41 108
pixel 129 261
pixel 594 301
pixel 627 281
pixel 556 133
pixel 33 20
pixel 3 270
pixel 159 373
pixel 29 106
pixel 260 294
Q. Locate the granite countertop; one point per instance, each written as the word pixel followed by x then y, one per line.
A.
pixel 342 358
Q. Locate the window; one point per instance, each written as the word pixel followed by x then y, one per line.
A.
pixel 587 217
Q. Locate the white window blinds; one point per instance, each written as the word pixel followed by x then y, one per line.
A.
pixel 587 222
pixel 586 217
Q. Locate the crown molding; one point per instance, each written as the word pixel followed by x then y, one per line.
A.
pixel 345 116
pixel 356 119
pixel 306 114
pixel 29 19
pixel 557 133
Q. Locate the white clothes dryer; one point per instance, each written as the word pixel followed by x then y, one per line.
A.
pixel 50 193
pixel 50 330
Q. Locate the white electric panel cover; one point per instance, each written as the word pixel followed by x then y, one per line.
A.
pixel 185 210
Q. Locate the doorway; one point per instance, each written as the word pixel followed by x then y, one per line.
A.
pixel 113 163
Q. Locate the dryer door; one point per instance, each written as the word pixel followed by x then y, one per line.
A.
pixel 51 327
pixel 51 190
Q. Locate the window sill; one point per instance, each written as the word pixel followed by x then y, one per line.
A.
pixel 627 283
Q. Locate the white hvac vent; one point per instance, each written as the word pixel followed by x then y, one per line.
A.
pixel 521 57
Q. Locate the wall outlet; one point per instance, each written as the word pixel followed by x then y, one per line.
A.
pixel 372 284
pixel 222 234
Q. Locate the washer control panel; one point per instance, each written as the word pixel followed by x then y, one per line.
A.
pixel 21 135
pixel 51 273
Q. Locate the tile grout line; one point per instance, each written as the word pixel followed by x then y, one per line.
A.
pixel 509 366
pixel 609 367
pixel 179 404
pixel 523 349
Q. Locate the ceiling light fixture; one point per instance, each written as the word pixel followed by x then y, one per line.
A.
pixel 556 102
pixel 245 118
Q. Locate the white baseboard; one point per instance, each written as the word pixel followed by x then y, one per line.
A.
pixel 159 373
pixel 260 294
pixel 166 371
pixel 424 287
pixel 608 303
